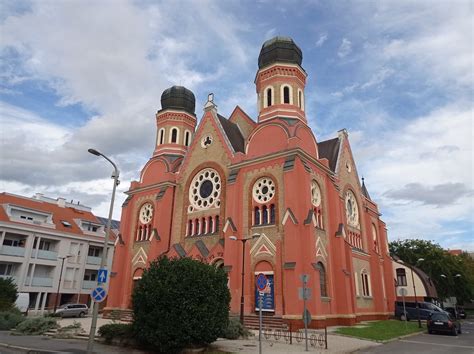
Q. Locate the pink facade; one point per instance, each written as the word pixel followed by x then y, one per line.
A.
pixel 299 202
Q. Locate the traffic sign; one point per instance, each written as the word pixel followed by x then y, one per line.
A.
pixel 403 292
pixel 102 275
pixel 99 294
pixel 304 278
pixel 304 293
pixel 261 282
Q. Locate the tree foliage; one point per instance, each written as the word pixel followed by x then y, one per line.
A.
pixel 436 263
pixel 8 294
pixel 180 303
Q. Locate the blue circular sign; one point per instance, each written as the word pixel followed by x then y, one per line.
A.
pixel 261 282
pixel 99 294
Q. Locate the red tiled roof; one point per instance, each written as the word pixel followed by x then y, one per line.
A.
pixel 59 213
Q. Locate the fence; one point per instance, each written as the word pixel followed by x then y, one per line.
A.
pixel 316 338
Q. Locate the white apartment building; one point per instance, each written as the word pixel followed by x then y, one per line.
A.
pixel 43 240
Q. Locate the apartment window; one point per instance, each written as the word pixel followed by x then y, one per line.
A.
pixel 401 277
pixel 45 245
pixel 94 252
pixel 14 243
pixel 90 276
pixel 6 269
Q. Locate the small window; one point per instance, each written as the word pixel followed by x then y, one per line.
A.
pixel 265 215
pixel 269 97
pixel 286 94
pixel 401 277
pixel 187 138
pixel 174 135
pixel 66 223
pixel 256 216
pixel 6 269
pixel 365 284
pixel 161 136
pixel 44 245
pixel 299 99
pixel 322 280
pixel 29 218
pixel 272 213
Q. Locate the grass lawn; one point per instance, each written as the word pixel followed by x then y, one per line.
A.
pixel 381 330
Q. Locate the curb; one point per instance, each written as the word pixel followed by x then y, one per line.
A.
pixel 11 346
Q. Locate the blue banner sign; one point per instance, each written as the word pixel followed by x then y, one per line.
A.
pixel 268 298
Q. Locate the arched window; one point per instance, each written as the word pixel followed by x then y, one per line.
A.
pixel 365 283
pixel 161 136
pixel 217 224
pixel 210 225
pixel 256 216
pixel 286 94
pixel 190 227
pixel 300 100
pixel 272 214
pixel 187 138
pixel 174 135
pixel 401 277
pixel 204 226
pixel 264 215
pixel 322 280
pixel 269 97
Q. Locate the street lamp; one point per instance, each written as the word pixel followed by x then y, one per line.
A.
pixel 243 240
pixel 59 282
pixel 103 260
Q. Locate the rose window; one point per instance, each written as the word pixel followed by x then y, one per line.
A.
pixel 352 210
pixel 205 190
pixel 263 190
pixel 146 213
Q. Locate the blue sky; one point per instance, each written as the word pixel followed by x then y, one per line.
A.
pixel 397 74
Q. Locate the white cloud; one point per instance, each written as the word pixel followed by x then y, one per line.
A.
pixel 345 48
pixel 322 38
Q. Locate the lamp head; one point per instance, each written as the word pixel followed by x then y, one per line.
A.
pixel 94 152
pixel 443 276
pixel 233 238
pixel 458 275
pixel 420 259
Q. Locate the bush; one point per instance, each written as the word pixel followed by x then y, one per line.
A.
pixel 37 325
pixel 10 319
pixel 8 294
pixel 180 303
pixel 235 330
pixel 121 331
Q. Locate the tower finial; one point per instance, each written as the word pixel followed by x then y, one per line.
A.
pixel 210 103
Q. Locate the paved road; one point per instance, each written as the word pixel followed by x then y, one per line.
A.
pixel 431 343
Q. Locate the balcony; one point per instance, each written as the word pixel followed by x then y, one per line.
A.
pixel 89 284
pixel 47 255
pixel 9 276
pixel 93 260
pixel 37 281
pixel 13 251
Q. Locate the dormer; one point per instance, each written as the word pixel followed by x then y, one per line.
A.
pixel 29 216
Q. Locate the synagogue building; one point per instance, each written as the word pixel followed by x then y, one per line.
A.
pixel 258 195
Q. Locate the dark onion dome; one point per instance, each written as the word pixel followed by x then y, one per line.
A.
pixel 279 49
pixel 178 97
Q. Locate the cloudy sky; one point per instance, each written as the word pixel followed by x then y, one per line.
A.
pixel 397 74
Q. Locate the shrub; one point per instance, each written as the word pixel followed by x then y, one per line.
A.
pixel 121 331
pixel 180 303
pixel 235 330
pixel 8 294
pixel 37 325
pixel 10 319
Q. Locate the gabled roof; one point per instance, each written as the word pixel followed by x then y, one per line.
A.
pixel 233 133
pixel 329 149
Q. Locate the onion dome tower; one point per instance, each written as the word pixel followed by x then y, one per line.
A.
pixel 176 121
pixel 280 80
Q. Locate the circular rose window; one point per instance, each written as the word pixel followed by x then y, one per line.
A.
pixel 205 190
pixel 315 194
pixel 263 190
pixel 146 213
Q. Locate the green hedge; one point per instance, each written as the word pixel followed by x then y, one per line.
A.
pixel 121 331
pixel 37 325
pixel 10 319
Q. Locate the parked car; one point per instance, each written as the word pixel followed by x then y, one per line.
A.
pixel 411 313
pixel 442 322
pixel 452 311
pixel 72 310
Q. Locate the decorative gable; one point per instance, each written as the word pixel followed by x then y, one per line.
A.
pixel 263 246
pixel 140 257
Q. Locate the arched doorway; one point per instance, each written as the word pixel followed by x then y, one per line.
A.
pixel 268 304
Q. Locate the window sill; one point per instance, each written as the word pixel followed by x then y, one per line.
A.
pixel 263 225
pixel 367 297
pixel 203 235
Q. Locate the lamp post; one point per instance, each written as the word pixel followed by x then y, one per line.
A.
pixel 243 240
pixel 59 282
pixel 103 260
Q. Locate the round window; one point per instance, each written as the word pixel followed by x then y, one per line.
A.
pixel 146 213
pixel 205 189
pixel 263 190
pixel 352 210
pixel 315 194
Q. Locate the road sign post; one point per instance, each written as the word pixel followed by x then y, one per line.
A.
pixel 304 279
pixel 262 286
pixel 102 275
pixel 404 292
pixel 98 294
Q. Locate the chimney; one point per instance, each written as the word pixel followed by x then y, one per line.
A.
pixel 62 202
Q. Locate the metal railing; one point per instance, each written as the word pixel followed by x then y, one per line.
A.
pixel 317 338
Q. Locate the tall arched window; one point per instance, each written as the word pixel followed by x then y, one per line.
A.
pixel 187 138
pixel 374 238
pixel 269 97
pixel 365 283
pixel 300 99
pixel 210 225
pixel 174 135
pixel 256 216
pixel 322 280
pixel 161 136
pixel 286 94
pixel 272 214
pixel 401 277
pixel 264 215
pixel 216 227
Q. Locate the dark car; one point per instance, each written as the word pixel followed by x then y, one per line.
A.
pixel 442 322
pixel 453 312
pixel 425 309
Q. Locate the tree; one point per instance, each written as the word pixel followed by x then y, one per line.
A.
pixel 8 294
pixel 441 266
pixel 180 303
